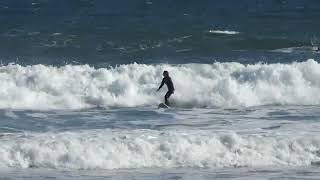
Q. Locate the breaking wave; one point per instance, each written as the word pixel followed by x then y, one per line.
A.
pixel 132 85
pixel 148 148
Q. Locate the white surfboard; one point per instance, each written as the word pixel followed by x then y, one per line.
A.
pixel 163 105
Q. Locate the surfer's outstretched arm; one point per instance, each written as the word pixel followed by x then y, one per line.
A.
pixel 162 83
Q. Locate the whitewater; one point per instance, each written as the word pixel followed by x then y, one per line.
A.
pixel 117 149
pixel 134 85
pixel 126 142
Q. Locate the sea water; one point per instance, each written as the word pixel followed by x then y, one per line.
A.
pixel 78 88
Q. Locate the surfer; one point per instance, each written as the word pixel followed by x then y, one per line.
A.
pixel 167 80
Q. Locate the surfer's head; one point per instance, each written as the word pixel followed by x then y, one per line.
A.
pixel 165 73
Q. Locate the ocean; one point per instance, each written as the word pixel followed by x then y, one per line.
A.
pixel 79 79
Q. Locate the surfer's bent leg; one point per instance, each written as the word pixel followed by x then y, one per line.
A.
pixel 166 97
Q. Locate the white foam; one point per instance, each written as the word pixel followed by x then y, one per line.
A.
pixel 132 85
pixel 147 149
pixel 224 32
pixel 302 49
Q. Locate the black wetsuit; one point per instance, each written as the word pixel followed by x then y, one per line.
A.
pixel 167 80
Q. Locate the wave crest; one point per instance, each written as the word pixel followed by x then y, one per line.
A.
pixel 224 32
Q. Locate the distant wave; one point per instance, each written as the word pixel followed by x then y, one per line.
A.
pixel 106 149
pixel 132 85
pixel 223 32
pixel 301 49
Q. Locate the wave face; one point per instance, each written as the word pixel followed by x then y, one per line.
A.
pixel 132 85
pixel 147 148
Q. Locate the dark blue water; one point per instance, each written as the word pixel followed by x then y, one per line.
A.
pixel 99 32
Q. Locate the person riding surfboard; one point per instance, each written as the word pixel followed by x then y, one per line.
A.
pixel 168 81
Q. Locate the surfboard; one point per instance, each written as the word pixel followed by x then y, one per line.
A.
pixel 162 105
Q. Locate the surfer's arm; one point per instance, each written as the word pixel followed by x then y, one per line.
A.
pixel 162 83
